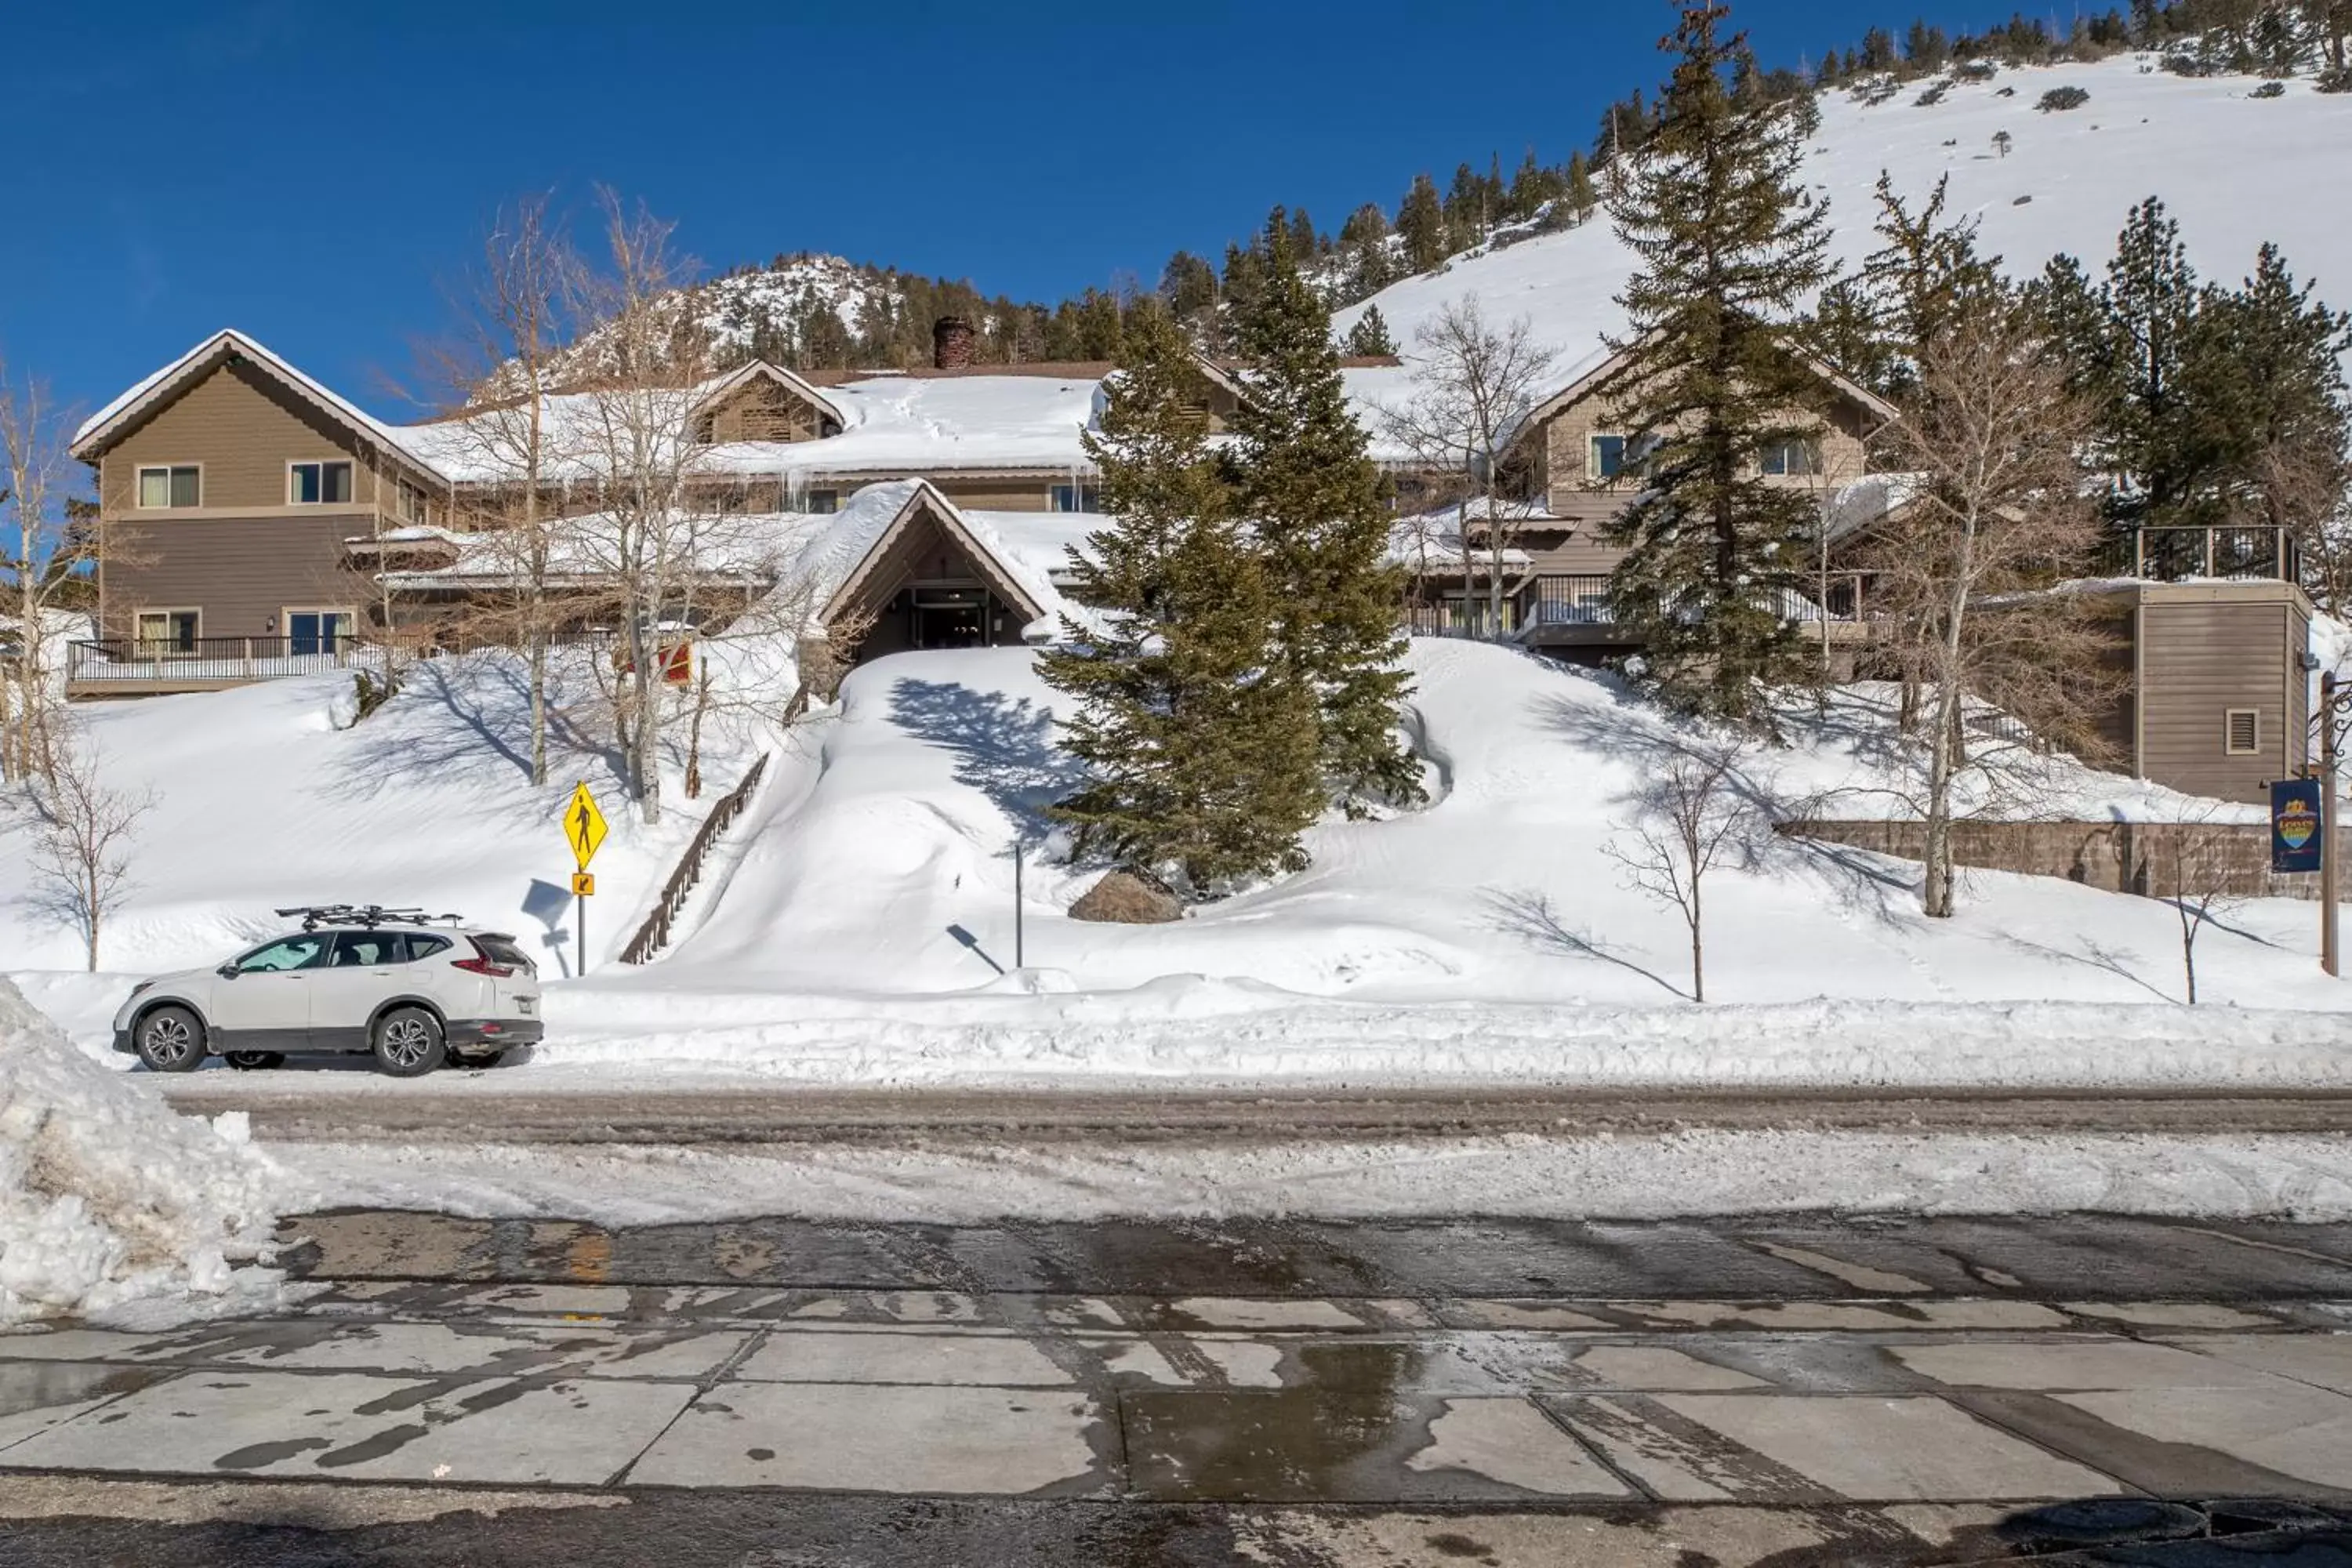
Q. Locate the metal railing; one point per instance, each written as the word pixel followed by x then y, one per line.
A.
pixel 2227 555
pixel 654 934
pixel 95 661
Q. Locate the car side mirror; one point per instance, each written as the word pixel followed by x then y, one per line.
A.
pixel 227 971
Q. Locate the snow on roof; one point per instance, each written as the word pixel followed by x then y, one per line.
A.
pixel 228 339
pixel 894 423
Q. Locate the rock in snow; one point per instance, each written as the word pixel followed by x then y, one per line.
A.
pixel 108 1198
pixel 1122 897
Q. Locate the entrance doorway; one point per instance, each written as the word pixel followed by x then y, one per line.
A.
pixel 951 618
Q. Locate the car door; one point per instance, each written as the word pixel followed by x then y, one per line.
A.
pixel 361 971
pixel 263 1002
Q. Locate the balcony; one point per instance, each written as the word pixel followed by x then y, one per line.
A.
pixel 131 666
pixel 2212 554
pixel 1557 609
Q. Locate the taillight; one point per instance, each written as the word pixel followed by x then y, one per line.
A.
pixel 482 963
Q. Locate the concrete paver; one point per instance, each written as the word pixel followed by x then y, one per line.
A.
pixel 817 1356
pixel 866 1437
pixel 2305 1433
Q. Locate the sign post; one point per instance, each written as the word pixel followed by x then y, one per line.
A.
pixel 583 830
pixel 2329 951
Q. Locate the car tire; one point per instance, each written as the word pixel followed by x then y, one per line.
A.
pixel 253 1061
pixel 408 1043
pixel 170 1039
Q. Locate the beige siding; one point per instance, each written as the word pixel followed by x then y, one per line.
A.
pixel 2199 660
pixel 242 573
pixel 1581 551
pixel 762 410
pixel 1573 487
pixel 242 428
pixel 985 494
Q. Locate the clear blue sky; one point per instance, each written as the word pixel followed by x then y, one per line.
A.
pixel 318 172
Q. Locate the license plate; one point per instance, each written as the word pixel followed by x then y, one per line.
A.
pixel 524 1004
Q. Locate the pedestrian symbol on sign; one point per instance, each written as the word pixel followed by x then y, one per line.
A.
pixel 584 825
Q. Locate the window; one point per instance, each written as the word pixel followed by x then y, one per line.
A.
pixel 1607 457
pixel 366 950
pixel 317 631
pixel 422 945
pixel 412 504
pixel 1791 459
pixel 293 952
pixel 501 949
pixel 2242 732
pixel 318 484
pixel 1076 498
pixel 821 501
pixel 166 631
pixel 180 485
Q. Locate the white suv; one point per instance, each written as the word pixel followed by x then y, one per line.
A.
pixel 389 982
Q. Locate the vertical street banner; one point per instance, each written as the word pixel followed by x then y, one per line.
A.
pixel 2296 839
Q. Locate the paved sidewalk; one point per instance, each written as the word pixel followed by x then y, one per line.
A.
pixel 1839 1400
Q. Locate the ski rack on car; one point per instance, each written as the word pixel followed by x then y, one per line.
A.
pixel 314 916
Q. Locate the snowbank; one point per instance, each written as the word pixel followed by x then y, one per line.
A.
pixel 1644 1176
pixel 107 1199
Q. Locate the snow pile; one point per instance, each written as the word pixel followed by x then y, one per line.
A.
pixel 106 1198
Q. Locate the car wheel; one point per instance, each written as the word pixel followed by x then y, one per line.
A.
pixel 409 1043
pixel 249 1061
pixel 170 1039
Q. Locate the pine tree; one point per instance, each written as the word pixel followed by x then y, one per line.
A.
pixel 1924 277
pixel 1421 223
pixel 1705 382
pixel 1370 335
pixel 1581 197
pixel 1315 501
pixel 1199 747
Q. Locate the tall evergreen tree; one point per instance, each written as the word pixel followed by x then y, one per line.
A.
pixel 1706 384
pixel 1315 499
pixel 1199 747
pixel 1421 223
pixel 2270 380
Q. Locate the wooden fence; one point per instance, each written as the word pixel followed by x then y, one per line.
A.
pixel 654 935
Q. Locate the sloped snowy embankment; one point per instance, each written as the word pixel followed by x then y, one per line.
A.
pixel 111 1203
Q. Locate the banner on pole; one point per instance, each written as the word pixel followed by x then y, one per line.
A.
pixel 2295 842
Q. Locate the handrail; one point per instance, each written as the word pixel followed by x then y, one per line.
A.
pixel 654 934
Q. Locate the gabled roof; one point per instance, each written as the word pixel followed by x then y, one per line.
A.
pixel 892 507
pixel 761 370
pixel 100 429
pixel 1590 374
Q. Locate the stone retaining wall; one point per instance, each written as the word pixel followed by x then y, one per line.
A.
pixel 2143 858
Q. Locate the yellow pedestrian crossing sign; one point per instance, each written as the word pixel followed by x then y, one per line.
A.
pixel 584 825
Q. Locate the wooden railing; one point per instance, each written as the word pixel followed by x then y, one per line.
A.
pixel 654 935
pixel 2233 555
pixel 94 662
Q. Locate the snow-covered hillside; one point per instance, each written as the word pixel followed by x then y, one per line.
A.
pixel 258 800
pixel 2234 169
pixel 859 922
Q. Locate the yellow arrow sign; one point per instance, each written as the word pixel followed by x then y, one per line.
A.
pixel 584 825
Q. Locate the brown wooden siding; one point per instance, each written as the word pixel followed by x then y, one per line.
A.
pixel 242 573
pixel 1568 481
pixel 984 494
pixel 242 428
pixel 2200 659
pixel 762 410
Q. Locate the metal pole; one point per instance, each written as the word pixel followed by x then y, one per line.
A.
pixel 1019 960
pixel 580 924
pixel 2329 948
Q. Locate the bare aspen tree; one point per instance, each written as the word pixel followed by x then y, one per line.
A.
pixel 2193 872
pixel 1964 573
pixel 83 840
pixel 1689 813
pixel 46 547
pixel 636 444
pixel 519 316
pixel 1473 385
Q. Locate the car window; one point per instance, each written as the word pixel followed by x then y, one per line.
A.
pixel 366 950
pixel 290 953
pixel 422 945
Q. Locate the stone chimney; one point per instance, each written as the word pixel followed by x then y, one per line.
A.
pixel 951 342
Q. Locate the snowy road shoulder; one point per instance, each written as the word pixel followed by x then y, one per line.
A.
pixel 1646 1176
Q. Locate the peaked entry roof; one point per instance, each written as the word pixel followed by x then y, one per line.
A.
pixel 880 516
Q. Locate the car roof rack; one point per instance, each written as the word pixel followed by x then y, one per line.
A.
pixel 314 916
